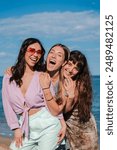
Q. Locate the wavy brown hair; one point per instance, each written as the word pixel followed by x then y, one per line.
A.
pixel 19 68
pixel 83 91
pixel 83 85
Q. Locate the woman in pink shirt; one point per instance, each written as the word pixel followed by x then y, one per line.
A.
pixel 22 95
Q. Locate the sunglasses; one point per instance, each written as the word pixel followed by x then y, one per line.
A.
pixel 33 51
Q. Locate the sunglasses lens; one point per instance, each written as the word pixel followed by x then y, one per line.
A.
pixel 39 52
pixel 32 50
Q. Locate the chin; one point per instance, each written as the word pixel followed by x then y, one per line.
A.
pixel 32 65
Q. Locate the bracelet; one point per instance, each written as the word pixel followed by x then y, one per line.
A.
pixel 45 88
pixel 49 99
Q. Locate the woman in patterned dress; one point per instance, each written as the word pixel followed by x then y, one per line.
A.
pixel 81 125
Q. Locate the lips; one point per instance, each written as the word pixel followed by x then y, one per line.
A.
pixel 34 59
pixel 52 62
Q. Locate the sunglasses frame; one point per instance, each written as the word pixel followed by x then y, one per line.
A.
pixel 33 51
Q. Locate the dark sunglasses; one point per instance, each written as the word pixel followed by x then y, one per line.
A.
pixel 33 51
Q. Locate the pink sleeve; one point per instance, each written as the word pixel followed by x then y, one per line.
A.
pixel 60 116
pixel 10 115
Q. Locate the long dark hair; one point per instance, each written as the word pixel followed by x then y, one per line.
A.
pixel 19 68
pixel 83 85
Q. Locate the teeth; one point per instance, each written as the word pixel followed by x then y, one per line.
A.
pixel 33 59
pixel 52 62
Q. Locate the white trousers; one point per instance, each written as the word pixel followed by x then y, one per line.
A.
pixel 44 129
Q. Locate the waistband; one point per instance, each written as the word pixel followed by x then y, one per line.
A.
pixel 43 109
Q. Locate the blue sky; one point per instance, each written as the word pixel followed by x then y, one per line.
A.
pixel 75 23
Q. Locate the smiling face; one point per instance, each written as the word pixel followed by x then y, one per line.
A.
pixel 33 54
pixel 55 58
pixel 70 69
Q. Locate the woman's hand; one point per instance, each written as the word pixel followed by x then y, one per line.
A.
pixel 8 71
pixel 69 86
pixel 18 137
pixel 62 132
pixel 44 80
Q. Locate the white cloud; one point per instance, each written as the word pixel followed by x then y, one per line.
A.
pixel 54 24
pixel 2 54
pixel 77 30
pixel 6 54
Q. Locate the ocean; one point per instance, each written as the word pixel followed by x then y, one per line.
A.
pixel 5 131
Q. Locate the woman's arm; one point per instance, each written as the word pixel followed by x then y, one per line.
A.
pixel 54 108
pixel 45 83
pixel 69 105
pixel 69 86
pixel 8 71
pixel 10 115
pixel 62 132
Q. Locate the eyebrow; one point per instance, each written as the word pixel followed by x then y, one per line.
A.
pixel 52 49
pixel 60 53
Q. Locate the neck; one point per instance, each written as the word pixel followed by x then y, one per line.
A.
pixel 28 70
pixel 54 77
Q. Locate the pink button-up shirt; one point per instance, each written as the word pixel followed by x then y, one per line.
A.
pixel 13 101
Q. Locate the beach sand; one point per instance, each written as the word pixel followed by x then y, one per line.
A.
pixel 4 143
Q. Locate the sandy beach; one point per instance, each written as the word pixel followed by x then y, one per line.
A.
pixel 4 143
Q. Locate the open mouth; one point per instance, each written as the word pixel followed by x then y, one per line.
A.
pixel 33 59
pixel 52 62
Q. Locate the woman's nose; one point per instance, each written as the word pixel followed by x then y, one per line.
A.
pixel 53 55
